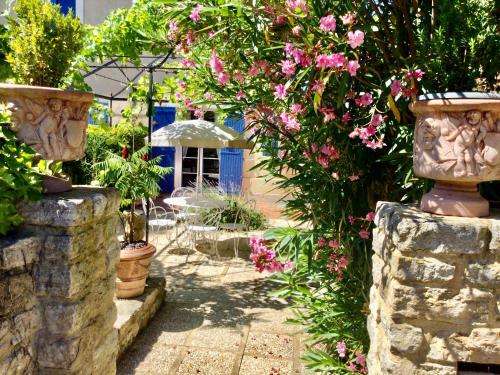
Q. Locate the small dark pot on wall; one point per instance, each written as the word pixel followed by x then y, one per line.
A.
pixel 133 270
pixel 51 121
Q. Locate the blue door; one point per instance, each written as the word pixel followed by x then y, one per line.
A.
pixel 66 5
pixel 231 160
pixel 164 116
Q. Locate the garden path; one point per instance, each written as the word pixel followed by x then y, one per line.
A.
pixel 217 320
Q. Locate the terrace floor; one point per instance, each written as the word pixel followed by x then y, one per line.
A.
pixel 217 319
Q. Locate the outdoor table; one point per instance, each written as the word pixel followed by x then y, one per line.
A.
pixel 196 202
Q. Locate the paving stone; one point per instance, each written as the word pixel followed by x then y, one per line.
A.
pixel 253 365
pixel 205 362
pixel 217 337
pixel 269 345
pixel 156 359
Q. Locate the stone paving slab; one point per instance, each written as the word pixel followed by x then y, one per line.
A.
pixel 217 319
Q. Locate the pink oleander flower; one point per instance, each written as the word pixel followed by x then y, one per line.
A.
pixel 208 96
pixel 334 60
pixel 289 48
pixel 328 23
pixel 365 133
pixel 352 367
pixel 323 161
pixel 360 359
pixel 353 177
pixel 370 216
pixel 238 77
pixel 216 64
pixel 223 78
pixel 254 70
pixel 188 63
pixel 364 100
pixel 280 20
pixel 297 30
pixel 351 219
pixel 290 121
pixel 396 87
pixel 318 86
pixel 335 175
pixel 297 5
pixel 417 74
pixel 348 18
pixel 280 91
pixel 189 105
pixel 341 349
pixel 346 117
pixel 333 244
pixel 195 13
pixel 329 116
pixel 377 120
pixel 322 242
pixel 240 95
pixel 330 151
pixel 354 133
pixel 211 33
pixel 173 26
pixel 374 144
pixel 178 95
pixel 352 67
pixel 364 234
pixel 288 67
pixel 355 39
pixel 198 113
pixel 191 38
pixel 297 108
pixel 301 58
pixel 182 84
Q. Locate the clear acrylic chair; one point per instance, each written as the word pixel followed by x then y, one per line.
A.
pixel 240 223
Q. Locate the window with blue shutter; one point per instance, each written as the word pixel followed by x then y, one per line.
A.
pixel 106 116
pixel 66 5
pixel 164 116
pixel 231 160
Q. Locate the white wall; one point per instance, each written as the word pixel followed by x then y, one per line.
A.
pixel 93 12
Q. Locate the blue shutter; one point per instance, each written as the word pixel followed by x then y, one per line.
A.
pixel 164 116
pixel 66 5
pixel 231 160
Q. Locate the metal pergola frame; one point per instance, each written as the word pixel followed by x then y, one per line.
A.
pixel 116 63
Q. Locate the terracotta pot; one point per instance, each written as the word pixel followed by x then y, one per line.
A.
pixel 457 143
pixel 133 270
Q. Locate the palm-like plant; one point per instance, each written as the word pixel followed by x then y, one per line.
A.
pixel 135 176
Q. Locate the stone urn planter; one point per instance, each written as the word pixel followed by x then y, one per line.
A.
pixel 133 269
pixel 457 144
pixel 51 121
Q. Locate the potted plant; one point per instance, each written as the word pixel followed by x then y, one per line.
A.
pixel 43 44
pixel 137 178
pixel 457 143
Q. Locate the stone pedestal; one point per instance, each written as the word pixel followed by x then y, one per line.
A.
pixel 57 283
pixel 435 297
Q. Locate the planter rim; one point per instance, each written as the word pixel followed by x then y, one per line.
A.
pixel 459 95
pixel 136 254
pixel 8 89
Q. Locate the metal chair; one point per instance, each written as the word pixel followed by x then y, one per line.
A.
pixel 240 225
pixel 205 223
pixel 159 220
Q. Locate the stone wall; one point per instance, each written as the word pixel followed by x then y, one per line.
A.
pixel 435 297
pixel 57 282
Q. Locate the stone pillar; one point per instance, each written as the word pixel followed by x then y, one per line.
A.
pixel 64 282
pixel 435 297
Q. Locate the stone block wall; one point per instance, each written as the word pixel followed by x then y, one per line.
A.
pixel 57 283
pixel 435 297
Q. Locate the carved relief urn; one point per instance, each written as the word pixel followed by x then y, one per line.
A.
pixel 457 144
pixel 51 121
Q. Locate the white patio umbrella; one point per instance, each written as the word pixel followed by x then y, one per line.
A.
pixel 200 134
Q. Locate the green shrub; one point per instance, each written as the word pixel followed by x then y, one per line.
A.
pixel 43 42
pixel 5 70
pixel 237 212
pixel 18 180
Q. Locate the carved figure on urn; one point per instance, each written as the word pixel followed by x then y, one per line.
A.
pixel 53 122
